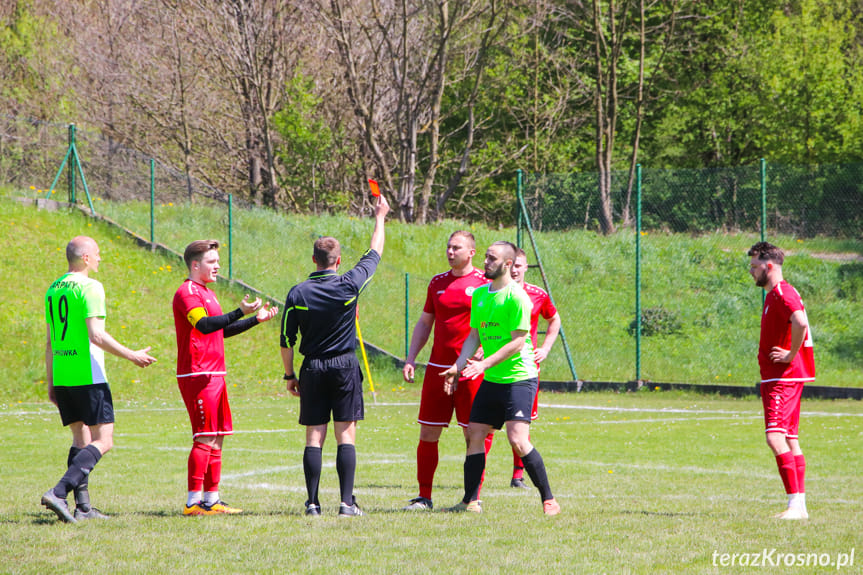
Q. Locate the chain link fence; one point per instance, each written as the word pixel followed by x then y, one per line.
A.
pixel 682 256
pixel 699 308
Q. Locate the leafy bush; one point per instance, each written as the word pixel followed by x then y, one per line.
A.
pixel 657 321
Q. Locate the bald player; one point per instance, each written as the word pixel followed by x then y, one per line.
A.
pixel 75 362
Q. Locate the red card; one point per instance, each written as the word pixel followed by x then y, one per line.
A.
pixel 376 191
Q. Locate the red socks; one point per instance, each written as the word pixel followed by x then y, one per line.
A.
pixel 800 464
pixel 199 460
pixel 214 471
pixel 788 471
pixel 427 460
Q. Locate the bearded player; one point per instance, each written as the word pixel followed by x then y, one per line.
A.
pixel 201 331
pixel 500 323
pixel 447 311
pixel 542 306
pixel 786 359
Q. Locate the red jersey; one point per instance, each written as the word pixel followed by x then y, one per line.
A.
pixel 448 300
pixel 197 354
pixel 779 304
pixel 542 306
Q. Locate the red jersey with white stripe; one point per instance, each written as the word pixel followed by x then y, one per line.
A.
pixel 779 304
pixel 542 306
pixel 448 300
pixel 197 354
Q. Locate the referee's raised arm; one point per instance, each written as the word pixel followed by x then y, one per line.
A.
pixel 381 210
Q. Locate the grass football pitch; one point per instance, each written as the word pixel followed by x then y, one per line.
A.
pixel 648 482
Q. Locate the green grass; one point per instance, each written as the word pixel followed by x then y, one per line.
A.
pixel 649 491
pixel 702 281
pixel 648 482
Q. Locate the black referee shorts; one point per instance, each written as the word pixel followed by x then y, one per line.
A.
pixel 333 385
pixel 91 404
pixel 497 403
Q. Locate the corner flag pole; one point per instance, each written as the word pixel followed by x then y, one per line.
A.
pixel 365 358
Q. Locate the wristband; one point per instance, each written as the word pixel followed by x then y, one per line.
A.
pixel 290 377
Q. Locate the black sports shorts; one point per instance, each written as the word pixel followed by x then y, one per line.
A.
pixel 333 385
pixel 497 403
pixel 91 404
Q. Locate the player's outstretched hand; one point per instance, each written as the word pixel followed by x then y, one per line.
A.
pixel 450 379
pixel 473 369
pixel 266 313
pixel 141 358
pixel 408 372
pixel 248 307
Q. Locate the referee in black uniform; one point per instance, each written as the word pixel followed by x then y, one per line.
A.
pixel 323 309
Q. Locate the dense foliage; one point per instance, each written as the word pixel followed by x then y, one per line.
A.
pixel 293 104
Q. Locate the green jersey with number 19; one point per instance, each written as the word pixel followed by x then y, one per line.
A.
pixel 496 315
pixel 68 303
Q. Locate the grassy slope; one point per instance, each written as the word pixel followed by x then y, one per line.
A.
pixel 702 280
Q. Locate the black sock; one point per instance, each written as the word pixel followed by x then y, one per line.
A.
pixel 82 464
pixel 82 494
pixel 312 463
pixel 346 466
pixel 474 465
pixel 535 467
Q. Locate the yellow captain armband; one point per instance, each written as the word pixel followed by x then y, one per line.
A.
pixel 195 315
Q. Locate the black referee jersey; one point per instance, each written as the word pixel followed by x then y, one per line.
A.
pixel 323 309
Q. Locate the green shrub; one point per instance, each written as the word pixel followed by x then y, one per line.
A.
pixel 657 321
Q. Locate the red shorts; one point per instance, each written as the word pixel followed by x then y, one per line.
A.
pixel 781 401
pixel 206 399
pixel 436 406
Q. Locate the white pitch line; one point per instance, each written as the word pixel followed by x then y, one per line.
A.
pixel 609 409
pixel 687 411
pixel 666 420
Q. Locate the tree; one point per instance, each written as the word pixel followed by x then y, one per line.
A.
pixel 307 140
pixel 250 40
pixel 396 61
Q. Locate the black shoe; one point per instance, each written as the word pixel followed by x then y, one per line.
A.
pixel 57 505
pixel 313 509
pixel 352 510
pixel 518 483
pixel 92 513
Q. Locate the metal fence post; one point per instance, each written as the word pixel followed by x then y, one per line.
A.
pixel 230 236
pixel 407 311
pixel 519 233
pixel 152 200
pixel 71 175
pixel 763 213
pixel 638 273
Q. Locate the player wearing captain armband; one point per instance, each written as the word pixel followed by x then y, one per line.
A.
pixel 201 331
pixel 787 362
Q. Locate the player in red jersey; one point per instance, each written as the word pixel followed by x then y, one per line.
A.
pixel 786 359
pixel 447 310
pixel 201 328
pixel 542 306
